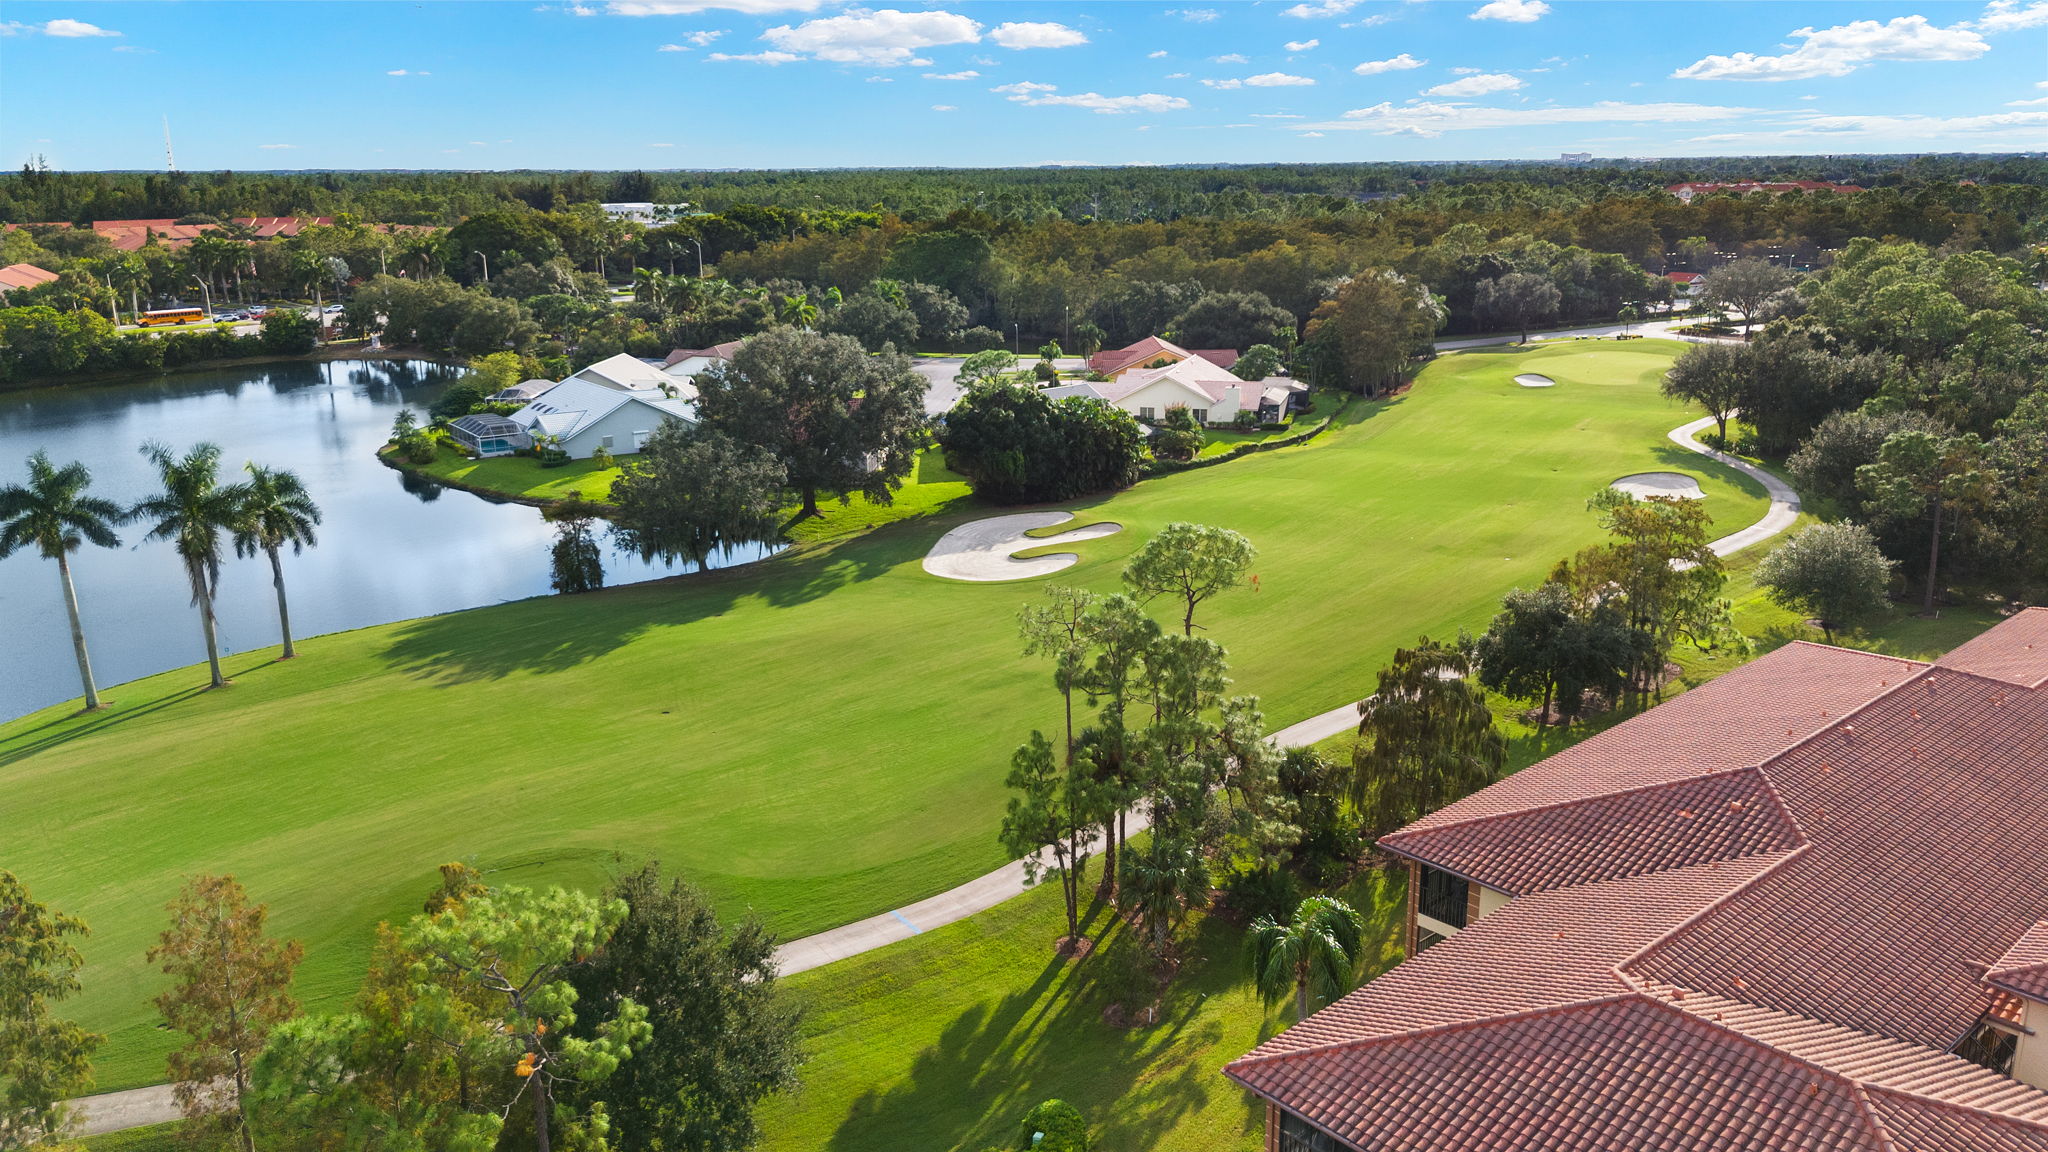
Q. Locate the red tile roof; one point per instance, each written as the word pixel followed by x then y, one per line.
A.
pixel 1151 348
pixel 1682 963
pixel 2023 970
pixel 24 276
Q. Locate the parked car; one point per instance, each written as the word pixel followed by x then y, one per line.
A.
pixel 332 309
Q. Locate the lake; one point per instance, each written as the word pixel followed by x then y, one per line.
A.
pixel 390 547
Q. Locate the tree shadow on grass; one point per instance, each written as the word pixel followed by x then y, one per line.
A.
pixel 995 1062
pixel 1675 458
pixel 76 725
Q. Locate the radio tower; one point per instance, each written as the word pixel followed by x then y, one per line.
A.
pixel 170 160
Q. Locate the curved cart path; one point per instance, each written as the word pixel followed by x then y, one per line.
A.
pixel 114 1111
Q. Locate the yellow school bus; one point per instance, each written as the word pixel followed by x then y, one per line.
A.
pixel 170 316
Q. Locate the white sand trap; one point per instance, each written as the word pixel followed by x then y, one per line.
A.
pixel 1535 380
pixel 985 550
pixel 1673 484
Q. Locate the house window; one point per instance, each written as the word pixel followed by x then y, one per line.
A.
pixel 1990 1047
pixel 640 439
pixel 1147 414
pixel 1298 1135
pixel 1443 897
pixel 606 441
pixel 1201 416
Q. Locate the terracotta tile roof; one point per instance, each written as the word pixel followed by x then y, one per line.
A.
pixel 1725 816
pixel 1151 347
pixel 1737 720
pixel 2023 969
pixel 1630 1072
pixel 2015 652
pixel 1789 974
pixel 25 276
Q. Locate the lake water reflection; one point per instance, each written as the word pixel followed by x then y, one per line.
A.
pixel 391 547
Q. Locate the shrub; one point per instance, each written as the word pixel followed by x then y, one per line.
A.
pixel 602 458
pixel 1054 1126
pixel 1245 420
pixel 979 339
pixel 1263 891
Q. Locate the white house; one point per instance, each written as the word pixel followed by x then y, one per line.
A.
pixel 685 363
pixel 582 417
pixel 627 374
pixel 1212 395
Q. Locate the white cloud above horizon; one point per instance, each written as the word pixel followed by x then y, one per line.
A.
pixel 61 28
pixel 1400 63
pixel 1426 119
pixel 883 37
pixel 1481 84
pixel 1043 95
pixel 1301 45
pixel 1512 11
pixel 1842 49
pixel 1027 34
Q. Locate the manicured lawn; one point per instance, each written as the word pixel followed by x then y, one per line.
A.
pixel 820 736
pixel 947 1040
pixel 1217 441
pixel 930 488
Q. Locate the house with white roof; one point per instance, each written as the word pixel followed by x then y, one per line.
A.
pixel 1213 395
pixel 685 363
pixel 580 417
pixel 627 374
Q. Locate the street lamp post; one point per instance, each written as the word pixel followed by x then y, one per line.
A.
pixel 487 264
pixel 205 294
pixel 700 256
pixel 1016 342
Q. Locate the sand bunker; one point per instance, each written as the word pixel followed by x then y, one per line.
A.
pixel 1535 380
pixel 1645 484
pixel 985 550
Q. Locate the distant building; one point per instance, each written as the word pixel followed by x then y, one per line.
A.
pixel 18 276
pixel 643 211
pixel 1686 192
pixel 1800 908
pixel 1575 157
pixel 1685 285
pixel 685 363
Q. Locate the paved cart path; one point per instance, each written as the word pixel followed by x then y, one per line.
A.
pixel 114 1111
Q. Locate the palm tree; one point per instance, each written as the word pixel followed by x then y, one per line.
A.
pixel 191 512
pixel 798 311
pixel 275 511
pixel 1315 953
pixel 54 514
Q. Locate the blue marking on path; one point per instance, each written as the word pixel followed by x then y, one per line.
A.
pixel 914 929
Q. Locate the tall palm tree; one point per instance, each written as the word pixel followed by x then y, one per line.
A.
pixel 54 514
pixel 1313 954
pixel 275 511
pixel 191 513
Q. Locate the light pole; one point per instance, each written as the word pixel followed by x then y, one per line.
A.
pixel 1016 342
pixel 205 294
pixel 487 265
pixel 1066 325
pixel 700 256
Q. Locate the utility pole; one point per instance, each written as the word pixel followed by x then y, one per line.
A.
pixel 170 159
pixel 487 266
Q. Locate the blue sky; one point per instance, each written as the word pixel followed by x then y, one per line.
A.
pixel 811 83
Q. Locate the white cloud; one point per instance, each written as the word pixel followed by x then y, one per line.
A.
pixel 969 74
pixel 692 7
pixel 2012 16
pixel 1301 45
pixel 2036 102
pixel 1159 55
pixel 1230 58
pixel 757 57
pixel 661 145
pixel 1466 71
pixel 134 49
pixel 1372 21
pixel 478 144
pixel 1231 83
pixel 945 108
pixel 75 30
pixel 1843 49
pixel 406 72
pixel 1400 63
pixel 881 79
pixel 1036 35
pixel 1196 15
pixel 1480 85
pixel 1311 135
pixel 1176 75
pixel 704 39
pixel 275 147
pixel 14 28
pixel 1805 129
pixel 1431 119
pixel 883 38
pixel 1276 116
pixel 1038 95
pixel 1321 9
pixel 1512 11
pixel 1278 80
pixel 671 48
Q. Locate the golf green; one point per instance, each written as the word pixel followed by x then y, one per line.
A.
pixel 817 737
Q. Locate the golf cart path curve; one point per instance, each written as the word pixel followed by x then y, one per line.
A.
pixel 115 1111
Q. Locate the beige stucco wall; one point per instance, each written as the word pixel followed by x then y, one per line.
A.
pixel 1163 394
pixel 2030 1060
pixel 1491 901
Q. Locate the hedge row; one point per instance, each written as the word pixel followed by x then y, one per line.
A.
pixel 1164 467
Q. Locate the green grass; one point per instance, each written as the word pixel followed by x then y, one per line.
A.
pixel 1217 441
pixel 931 488
pixel 946 1041
pixel 151 1138
pixel 820 736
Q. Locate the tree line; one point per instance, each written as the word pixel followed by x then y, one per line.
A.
pixel 497 1017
